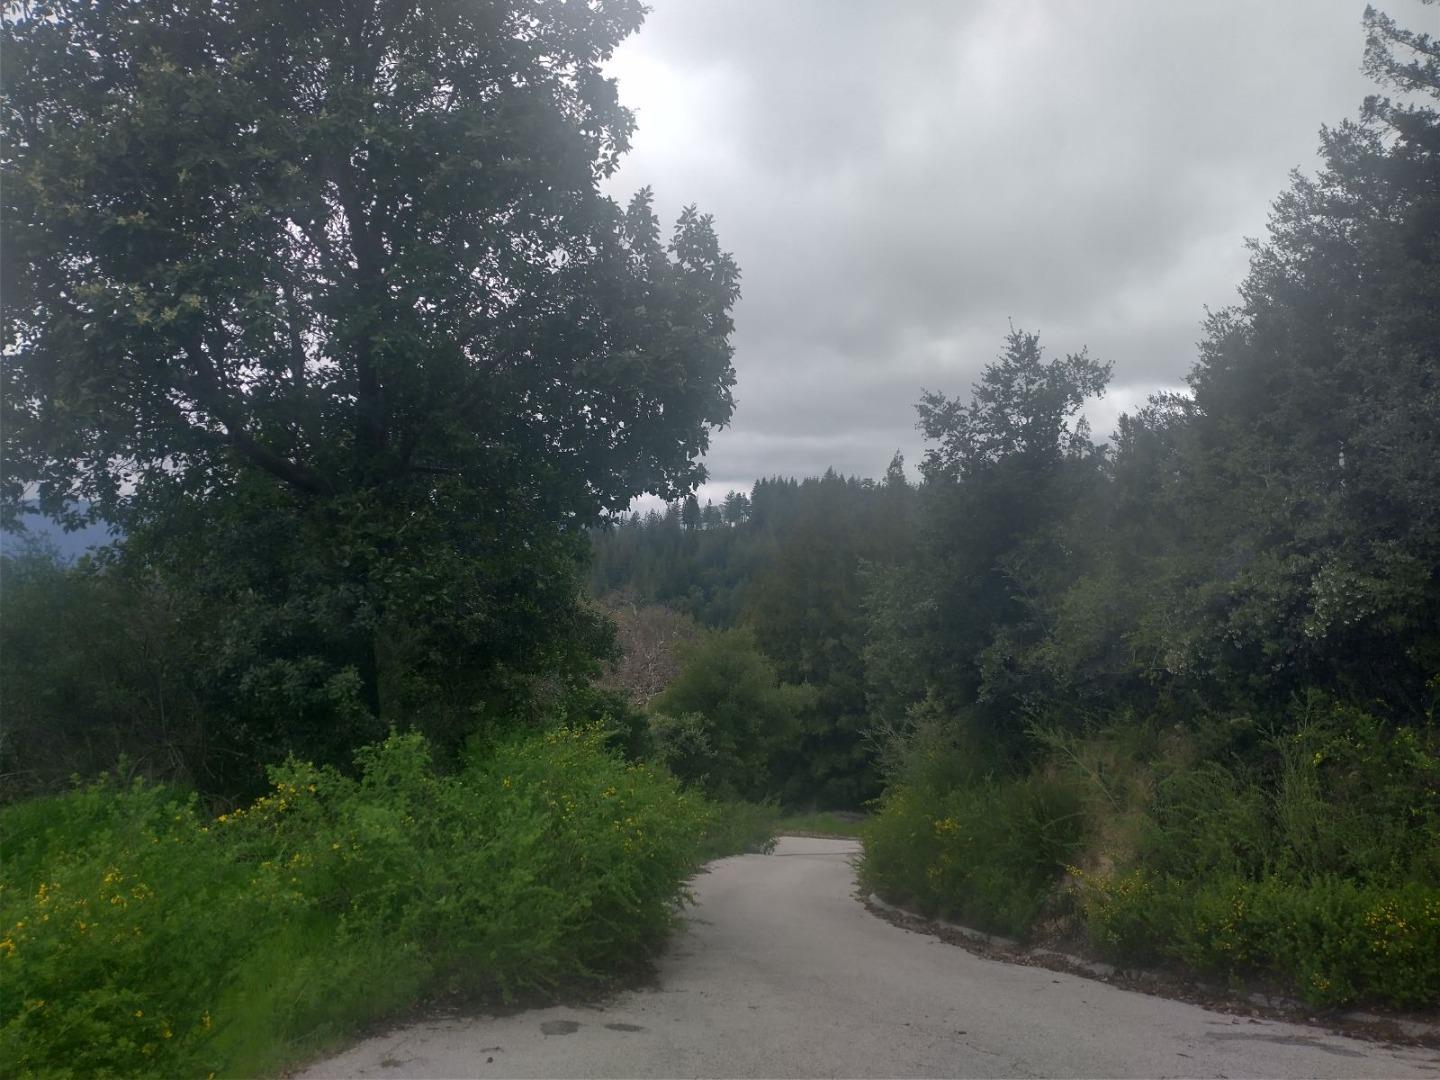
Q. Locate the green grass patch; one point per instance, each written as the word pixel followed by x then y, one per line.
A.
pixel 733 827
pixel 145 938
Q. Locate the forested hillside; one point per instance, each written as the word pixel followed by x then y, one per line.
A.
pixel 1176 691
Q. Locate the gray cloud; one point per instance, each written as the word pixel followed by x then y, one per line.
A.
pixel 899 179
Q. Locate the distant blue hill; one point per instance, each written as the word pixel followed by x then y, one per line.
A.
pixel 70 545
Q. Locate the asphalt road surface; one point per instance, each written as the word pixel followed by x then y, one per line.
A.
pixel 783 973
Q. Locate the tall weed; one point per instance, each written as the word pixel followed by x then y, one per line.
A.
pixel 1315 863
pixel 1307 854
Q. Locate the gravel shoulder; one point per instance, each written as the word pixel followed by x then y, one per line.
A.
pixel 781 972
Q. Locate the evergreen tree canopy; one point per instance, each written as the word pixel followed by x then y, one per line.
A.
pixel 1315 457
pixel 1023 408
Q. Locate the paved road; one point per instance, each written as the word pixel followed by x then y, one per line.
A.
pixel 783 973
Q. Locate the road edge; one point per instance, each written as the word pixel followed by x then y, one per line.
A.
pixel 1373 1027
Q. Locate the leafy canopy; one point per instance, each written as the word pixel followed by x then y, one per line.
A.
pixel 332 285
pixel 350 245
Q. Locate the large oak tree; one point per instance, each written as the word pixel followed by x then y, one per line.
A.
pixel 323 306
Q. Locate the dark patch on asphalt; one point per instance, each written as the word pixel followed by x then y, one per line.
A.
pixel 1284 1040
pixel 624 1027
pixel 559 1027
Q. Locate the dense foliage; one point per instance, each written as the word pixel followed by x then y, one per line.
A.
pixel 144 937
pixel 322 305
pixel 788 564
pixel 1308 857
pixel 727 722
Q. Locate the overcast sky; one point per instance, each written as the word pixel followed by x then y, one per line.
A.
pixel 898 178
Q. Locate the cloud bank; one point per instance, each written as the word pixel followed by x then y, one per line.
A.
pixel 898 180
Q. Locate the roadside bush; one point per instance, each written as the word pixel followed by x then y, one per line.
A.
pixel 145 938
pixel 1314 863
pixel 1305 855
pixel 988 852
pixel 726 720
pixel 1331 940
pixel 1339 793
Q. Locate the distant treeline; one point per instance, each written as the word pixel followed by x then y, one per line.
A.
pixel 1274 532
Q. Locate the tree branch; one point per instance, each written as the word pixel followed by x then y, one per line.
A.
pixel 205 387
pixel 371 428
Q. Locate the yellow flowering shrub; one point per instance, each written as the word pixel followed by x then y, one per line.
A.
pixel 986 851
pixel 1333 941
pixel 1319 871
pixel 142 937
pixel 1310 861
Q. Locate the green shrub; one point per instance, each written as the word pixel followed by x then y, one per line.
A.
pixel 1315 863
pixel 987 853
pixel 147 939
pixel 1307 856
pixel 1331 940
pixel 116 904
pixel 1207 818
pixel 1123 917
pixel 1357 797
pixel 726 720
